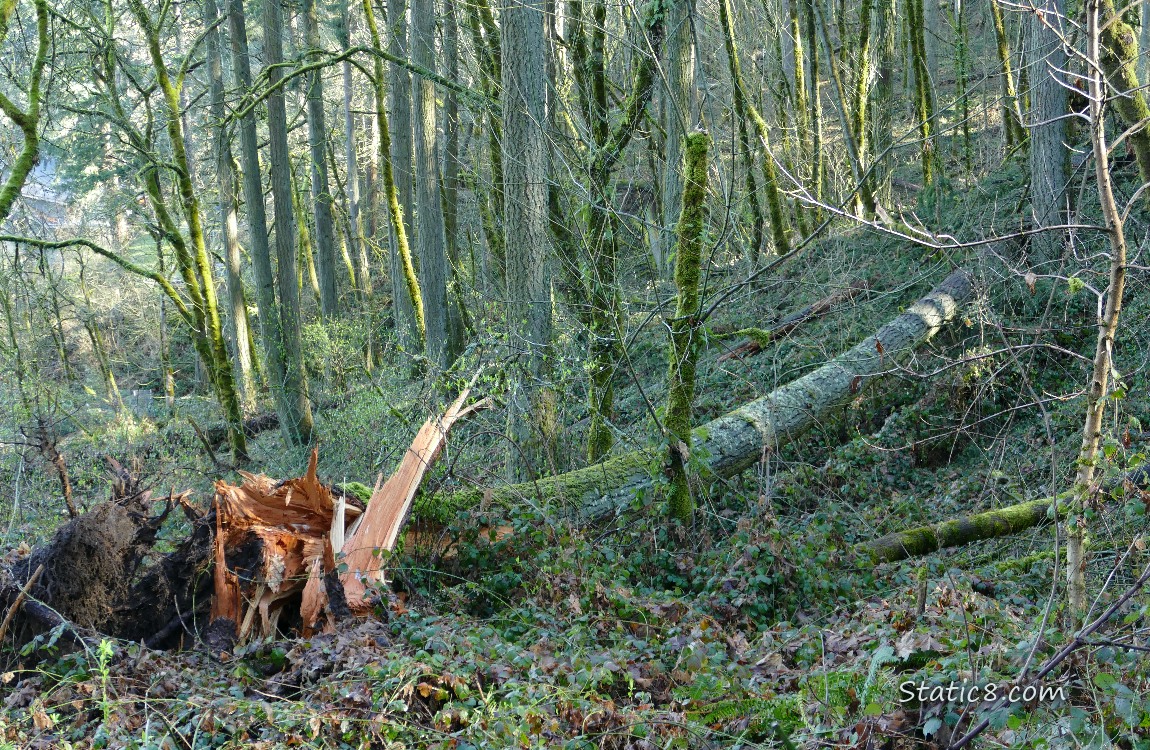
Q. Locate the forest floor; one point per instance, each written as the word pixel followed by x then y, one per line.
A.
pixel 756 626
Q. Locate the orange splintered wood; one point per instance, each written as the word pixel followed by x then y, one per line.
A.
pixel 274 533
pixel 379 527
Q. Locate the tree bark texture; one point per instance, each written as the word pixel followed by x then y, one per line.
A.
pixel 409 322
pixel 1049 157
pixel 685 325
pixel 320 189
pixel 527 271
pixel 229 219
pixel 430 238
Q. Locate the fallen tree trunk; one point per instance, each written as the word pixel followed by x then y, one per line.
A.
pixel 737 440
pixel 1012 519
pixel 761 337
pixel 954 533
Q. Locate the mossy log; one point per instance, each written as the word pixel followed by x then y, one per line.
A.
pixel 733 442
pixel 1012 519
pixel 954 533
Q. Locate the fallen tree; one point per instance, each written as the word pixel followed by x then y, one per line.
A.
pixel 760 338
pixel 922 540
pixel 733 442
pixel 266 557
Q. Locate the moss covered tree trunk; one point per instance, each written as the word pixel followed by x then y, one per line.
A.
pixel 685 325
pixel 405 284
pixel 1119 57
pixel 923 540
pixel 736 441
pixel 193 260
pixel 1012 128
pixel 780 227
pixel 228 208
pixel 430 238
pixel 410 321
pixel 923 92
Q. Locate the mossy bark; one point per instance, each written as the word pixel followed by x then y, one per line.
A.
pixel 390 190
pixel 736 441
pixel 607 144
pixel 1012 128
pixel 28 119
pixel 1120 60
pixel 926 539
pixel 685 325
pixel 923 94
pixel 194 261
pixel 780 227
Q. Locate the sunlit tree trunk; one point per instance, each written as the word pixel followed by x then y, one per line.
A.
pixel 678 116
pixel 430 237
pixel 1049 157
pixel 229 220
pixel 1013 131
pixel 409 323
pixel 298 427
pixel 320 187
pixel 525 166
pixel 260 250
pixel 357 247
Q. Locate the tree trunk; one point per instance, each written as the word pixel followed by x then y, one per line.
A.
pixel 355 236
pixel 297 426
pixel 525 166
pixel 320 188
pixel 923 91
pixel 1119 57
pixel 410 323
pixel 1049 157
pixel 28 119
pixel 926 539
pixel 1013 131
pixel 780 228
pixel 430 237
pixel 229 221
pixel 883 121
pixel 260 250
pixel 685 325
pixel 736 441
pixel 1098 390
pixel 678 116
pixel 405 284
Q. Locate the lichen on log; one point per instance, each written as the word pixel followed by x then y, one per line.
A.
pixel 731 443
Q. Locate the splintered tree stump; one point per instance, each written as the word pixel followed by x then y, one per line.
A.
pixel 272 553
pixel 277 544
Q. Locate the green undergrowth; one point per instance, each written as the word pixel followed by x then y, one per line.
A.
pixel 507 625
